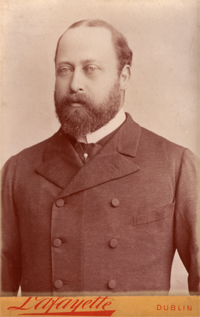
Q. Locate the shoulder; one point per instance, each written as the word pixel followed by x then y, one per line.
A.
pixel 156 141
pixel 153 148
pixel 160 150
pixel 159 146
pixel 149 141
pixel 32 155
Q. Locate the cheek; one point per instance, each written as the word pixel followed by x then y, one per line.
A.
pixel 99 90
pixel 61 85
pixel 96 96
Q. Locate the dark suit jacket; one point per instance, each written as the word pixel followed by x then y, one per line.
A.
pixel 111 225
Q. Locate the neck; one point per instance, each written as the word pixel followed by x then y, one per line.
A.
pixel 112 125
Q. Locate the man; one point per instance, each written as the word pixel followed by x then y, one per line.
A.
pixel 103 204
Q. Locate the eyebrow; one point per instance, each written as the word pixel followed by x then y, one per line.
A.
pixel 83 62
pixel 90 61
pixel 65 63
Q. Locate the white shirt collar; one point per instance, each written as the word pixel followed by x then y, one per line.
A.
pixel 105 130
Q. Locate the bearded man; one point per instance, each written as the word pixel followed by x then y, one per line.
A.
pixel 103 204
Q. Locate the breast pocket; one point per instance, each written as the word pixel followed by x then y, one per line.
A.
pixel 147 216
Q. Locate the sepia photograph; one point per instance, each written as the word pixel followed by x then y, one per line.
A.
pixel 100 149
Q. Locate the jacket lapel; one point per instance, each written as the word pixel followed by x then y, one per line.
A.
pixel 62 166
pixel 114 160
pixel 60 161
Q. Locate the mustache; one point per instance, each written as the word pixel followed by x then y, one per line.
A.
pixel 76 98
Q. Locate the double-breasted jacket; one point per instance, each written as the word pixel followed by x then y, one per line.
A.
pixel 111 225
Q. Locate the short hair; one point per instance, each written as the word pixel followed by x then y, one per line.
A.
pixel 123 52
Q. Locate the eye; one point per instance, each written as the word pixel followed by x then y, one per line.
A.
pixel 65 70
pixel 91 68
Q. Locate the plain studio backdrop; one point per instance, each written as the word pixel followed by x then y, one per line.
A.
pixel 163 92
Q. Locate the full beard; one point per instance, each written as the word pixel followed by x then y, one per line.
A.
pixel 89 117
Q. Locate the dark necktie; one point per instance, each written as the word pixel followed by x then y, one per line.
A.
pixel 87 150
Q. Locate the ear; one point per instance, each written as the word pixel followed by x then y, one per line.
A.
pixel 124 77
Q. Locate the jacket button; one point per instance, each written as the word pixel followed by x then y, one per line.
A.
pixel 112 284
pixel 115 202
pixel 60 202
pixel 58 284
pixel 113 243
pixel 57 243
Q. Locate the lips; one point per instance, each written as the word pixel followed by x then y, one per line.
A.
pixel 76 105
pixel 77 99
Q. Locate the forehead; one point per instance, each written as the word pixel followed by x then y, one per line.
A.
pixel 87 43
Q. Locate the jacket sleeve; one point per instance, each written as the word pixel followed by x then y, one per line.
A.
pixel 187 221
pixel 10 238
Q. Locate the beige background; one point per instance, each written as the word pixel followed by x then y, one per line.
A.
pixel 163 92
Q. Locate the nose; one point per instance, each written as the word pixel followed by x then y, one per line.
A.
pixel 76 84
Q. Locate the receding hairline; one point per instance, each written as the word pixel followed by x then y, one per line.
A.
pixel 84 23
pixel 101 24
pixel 83 26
